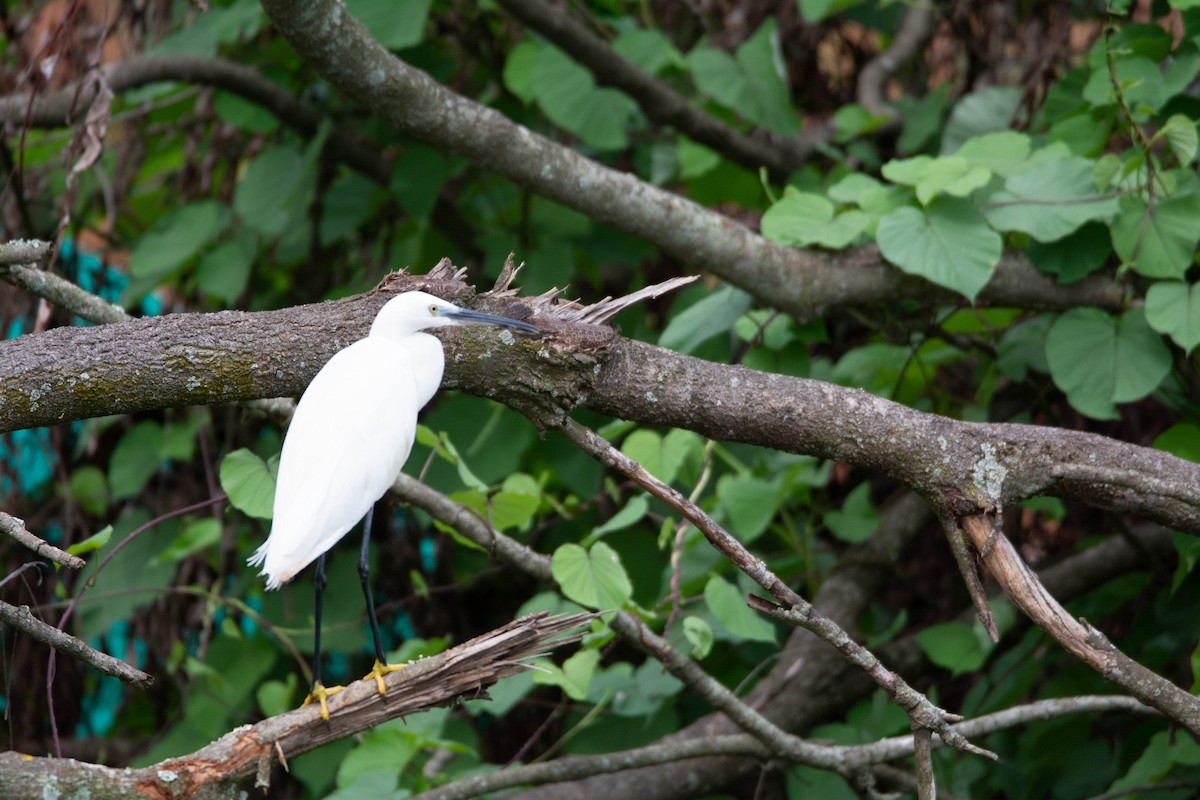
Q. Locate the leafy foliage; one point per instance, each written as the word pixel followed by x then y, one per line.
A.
pixel 1083 174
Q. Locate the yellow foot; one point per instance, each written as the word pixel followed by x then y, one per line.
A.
pixel 321 693
pixel 378 671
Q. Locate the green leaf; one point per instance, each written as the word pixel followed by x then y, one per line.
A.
pixel 250 483
pixel 950 175
pixel 519 68
pixel 1173 308
pixel 850 188
pixel 573 677
pixel 1023 347
pixel 1082 133
pixel 93 542
pixel 852 120
pixel 1002 152
pixel 751 84
pixel 224 271
pixel 1181 439
pixel 503 509
pixel 728 605
pixel 857 519
pixel 1159 241
pixel 89 489
pixel 275 697
pixel 134 460
pixel 631 514
pixel 1180 133
pixel 375 762
pixel 699 634
pixel 1049 200
pixel 803 219
pixel 568 94
pixel 1076 255
pixel 593 578
pixel 694 159
pixel 716 314
pixel 177 237
pixel 197 535
pixel 244 114
pixel 751 503
pixel 645 447
pixel 954 646
pixel 922 118
pixel 649 50
pixel 980 112
pixel 818 10
pixel 395 24
pixel 1099 360
pixel 948 243
pixel 1140 80
pixel 267 197
pixel 346 205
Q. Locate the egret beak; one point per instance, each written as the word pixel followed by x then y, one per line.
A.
pixel 465 316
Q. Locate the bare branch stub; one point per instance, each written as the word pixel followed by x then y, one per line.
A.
pixel 1083 641
pixel 461 671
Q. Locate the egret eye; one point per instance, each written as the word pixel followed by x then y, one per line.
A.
pixel 433 310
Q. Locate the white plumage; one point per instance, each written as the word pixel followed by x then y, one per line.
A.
pixel 354 427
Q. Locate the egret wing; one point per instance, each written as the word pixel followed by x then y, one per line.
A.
pixel 349 438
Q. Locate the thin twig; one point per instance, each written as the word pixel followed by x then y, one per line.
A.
pixel 23 620
pixel 796 610
pixel 16 529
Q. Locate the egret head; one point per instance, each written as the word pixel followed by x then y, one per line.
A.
pixel 407 313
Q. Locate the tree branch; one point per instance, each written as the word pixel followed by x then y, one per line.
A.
pixel 1083 641
pixel 573 768
pixel 914 31
pixel 796 611
pixel 962 467
pixel 15 528
pixel 62 107
pixel 800 282
pixel 463 671
pixel 23 620
pixel 659 102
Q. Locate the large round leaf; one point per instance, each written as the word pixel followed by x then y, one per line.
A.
pixel 249 482
pixel 949 243
pixel 728 605
pixel 1100 360
pixel 1158 241
pixel 1050 199
pixel 592 578
pixel 1173 308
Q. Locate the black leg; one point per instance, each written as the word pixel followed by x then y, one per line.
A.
pixel 381 667
pixel 364 575
pixel 319 581
pixel 319 692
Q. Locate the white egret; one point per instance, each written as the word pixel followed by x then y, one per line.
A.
pixel 349 438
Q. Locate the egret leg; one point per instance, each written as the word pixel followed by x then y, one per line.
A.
pixel 381 667
pixel 319 692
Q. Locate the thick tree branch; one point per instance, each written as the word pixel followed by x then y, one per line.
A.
pixel 464 671
pixel 205 359
pixel 799 282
